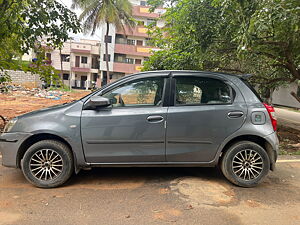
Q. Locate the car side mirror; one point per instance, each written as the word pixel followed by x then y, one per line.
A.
pixel 97 101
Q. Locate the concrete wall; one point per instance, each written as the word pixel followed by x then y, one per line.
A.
pixel 25 79
pixel 282 96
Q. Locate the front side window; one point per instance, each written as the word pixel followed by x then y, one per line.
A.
pixel 202 90
pixel 141 92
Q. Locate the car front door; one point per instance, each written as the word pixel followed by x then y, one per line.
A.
pixel 205 111
pixel 132 129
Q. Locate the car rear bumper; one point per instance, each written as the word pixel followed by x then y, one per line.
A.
pixel 9 147
pixel 272 148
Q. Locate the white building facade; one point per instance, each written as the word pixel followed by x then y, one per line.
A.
pixel 80 62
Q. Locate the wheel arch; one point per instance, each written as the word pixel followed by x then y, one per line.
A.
pixel 256 139
pixel 40 137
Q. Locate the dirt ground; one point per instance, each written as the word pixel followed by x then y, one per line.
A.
pixel 149 195
pixel 289 139
pixel 12 105
pixel 15 103
pixel 183 196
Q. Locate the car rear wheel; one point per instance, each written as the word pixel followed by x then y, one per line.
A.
pixel 47 164
pixel 245 164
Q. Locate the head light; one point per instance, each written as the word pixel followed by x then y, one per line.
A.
pixel 10 125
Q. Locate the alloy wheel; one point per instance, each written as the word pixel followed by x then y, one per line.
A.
pixel 247 164
pixel 46 164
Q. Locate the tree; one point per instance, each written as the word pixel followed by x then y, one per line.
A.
pixel 24 23
pixel 261 37
pixel 97 12
pixel 42 66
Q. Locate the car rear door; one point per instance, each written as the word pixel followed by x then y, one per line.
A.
pixel 133 129
pixel 204 111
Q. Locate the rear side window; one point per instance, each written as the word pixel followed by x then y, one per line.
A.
pixel 202 91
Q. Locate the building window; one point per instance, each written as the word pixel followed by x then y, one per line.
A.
pixel 120 58
pixel 95 76
pixel 146 59
pixel 130 42
pixel 65 76
pixel 95 62
pixel 129 60
pixel 107 39
pixel 139 42
pixel 65 58
pixel 104 57
pixel 148 42
pixel 83 59
pixel 48 56
pixel 143 3
pixel 298 91
pixel 138 61
pixel 120 39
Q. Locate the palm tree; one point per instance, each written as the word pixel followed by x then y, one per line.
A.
pixel 98 12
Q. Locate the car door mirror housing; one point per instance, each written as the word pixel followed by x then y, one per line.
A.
pixel 97 101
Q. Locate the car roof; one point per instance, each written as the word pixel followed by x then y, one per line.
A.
pixel 184 72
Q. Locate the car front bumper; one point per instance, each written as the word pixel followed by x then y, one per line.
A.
pixel 9 146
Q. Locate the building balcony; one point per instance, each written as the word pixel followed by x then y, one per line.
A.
pixel 136 50
pixel 138 31
pixel 81 69
pixel 143 11
pixel 77 50
pixel 126 68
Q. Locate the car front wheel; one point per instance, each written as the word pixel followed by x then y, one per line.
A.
pixel 245 164
pixel 47 164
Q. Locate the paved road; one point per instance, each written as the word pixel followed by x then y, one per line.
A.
pixel 153 196
pixel 288 118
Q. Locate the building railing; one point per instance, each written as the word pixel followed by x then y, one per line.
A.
pixel 81 84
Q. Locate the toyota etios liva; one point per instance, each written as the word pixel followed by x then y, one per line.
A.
pixel 162 118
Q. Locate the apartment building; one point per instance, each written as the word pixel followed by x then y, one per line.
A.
pixel 129 48
pixel 83 60
pixel 80 62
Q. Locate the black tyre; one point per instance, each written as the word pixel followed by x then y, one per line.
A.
pixel 245 164
pixel 48 164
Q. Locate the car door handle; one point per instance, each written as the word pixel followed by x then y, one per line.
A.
pixel 235 114
pixel 155 119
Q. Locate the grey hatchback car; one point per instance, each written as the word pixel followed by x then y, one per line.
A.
pixel 161 118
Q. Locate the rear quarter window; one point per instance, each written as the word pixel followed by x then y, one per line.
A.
pixel 252 89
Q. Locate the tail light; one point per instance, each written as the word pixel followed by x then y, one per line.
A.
pixel 272 115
